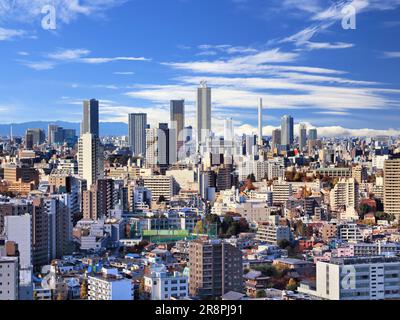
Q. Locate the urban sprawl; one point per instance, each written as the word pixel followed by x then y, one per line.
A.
pixel 174 212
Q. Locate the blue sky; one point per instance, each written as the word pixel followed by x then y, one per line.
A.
pixel 137 55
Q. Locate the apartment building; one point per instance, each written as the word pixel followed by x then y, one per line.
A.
pixel 164 285
pixel 358 278
pixel 110 286
pixel 215 268
pixel 391 186
pixel 9 278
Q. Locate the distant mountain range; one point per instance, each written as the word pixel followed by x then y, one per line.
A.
pixel 106 128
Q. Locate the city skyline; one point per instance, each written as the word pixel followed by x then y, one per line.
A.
pixel 287 59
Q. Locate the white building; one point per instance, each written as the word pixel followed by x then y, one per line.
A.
pixel 358 278
pixel 162 285
pixel 9 278
pixel 90 158
pixel 110 286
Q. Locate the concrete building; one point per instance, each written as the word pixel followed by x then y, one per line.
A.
pixel 110 286
pixel 287 131
pixel 160 186
pixel 272 232
pixel 344 194
pixel 391 185
pixel 177 122
pixel 164 285
pixel 203 114
pixel 90 121
pixel 137 133
pixel 215 268
pixel 90 158
pixel 9 278
pixel 358 278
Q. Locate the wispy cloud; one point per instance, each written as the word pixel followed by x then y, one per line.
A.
pixel 67 10
pixel 75 56
pixel 391 54
pixel 10 34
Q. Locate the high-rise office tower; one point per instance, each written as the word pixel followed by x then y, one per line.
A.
pixel 38 135
pixel 302 136
pixel 391 186
pixel 137 133
pixel 29 141
pixel 215 268
pixel 52 128
pixel 90 158
pixel 177 121
pixel 228 130
pixel 250 144
pixel 203 112
pixel 260 123
pixel 312 134
pixel 90 122
pixel 276 138
pixel 287 135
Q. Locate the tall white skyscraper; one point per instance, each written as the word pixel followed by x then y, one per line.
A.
pixel 137 133
pixel 203 112
pixel 228 130
pixel 90 158
pixel 260 123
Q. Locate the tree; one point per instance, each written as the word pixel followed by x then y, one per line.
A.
pixel 199 228
pixel 251 177
pixel 261 294
pixel 292 285
pixel 84 290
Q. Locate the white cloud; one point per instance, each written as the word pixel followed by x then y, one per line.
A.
pixel 75 56
pixel 105 60
pixel 38 65
pixel 67 10
pixel 9 34
pixel 123 72
pixel 331 131
pixel 69 54
pixel 392 54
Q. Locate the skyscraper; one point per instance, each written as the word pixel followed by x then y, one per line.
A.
pixel 90 121
pixel 38 135
pixel 137 133
pixel 302 136
pixel 177 121
pixel 90 158
pixel 52 128
pixel 260 123
pixel 228 130
pixel 276 138
pixel 312 134
pixel 287 135
pixel 203 111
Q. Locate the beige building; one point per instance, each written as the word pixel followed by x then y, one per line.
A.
pixel 391 196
